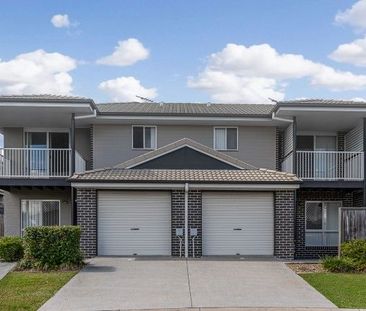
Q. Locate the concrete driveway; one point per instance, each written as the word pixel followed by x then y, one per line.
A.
pixel 122 283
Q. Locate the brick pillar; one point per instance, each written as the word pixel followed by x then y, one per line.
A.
pixel 194 221
pixel 284 208
pixel 86 200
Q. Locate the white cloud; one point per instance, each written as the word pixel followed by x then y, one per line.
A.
pixel 128 52
pixel 351 53
pixel 354 16
pixel 252 74
pixel 126 89
pixel 60 21
pixel 37 72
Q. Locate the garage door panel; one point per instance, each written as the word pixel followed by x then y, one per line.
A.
pixel 121 211
pixel 223 212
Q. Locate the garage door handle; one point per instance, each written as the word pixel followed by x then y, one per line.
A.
pixel 135 229
pixel 237 229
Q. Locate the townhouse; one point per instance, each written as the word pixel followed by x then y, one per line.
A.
pixel 183 179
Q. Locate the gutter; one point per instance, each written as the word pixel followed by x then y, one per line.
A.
pixel 274 117
pixel 88 116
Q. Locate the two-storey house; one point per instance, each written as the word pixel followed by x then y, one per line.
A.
pixel 182 179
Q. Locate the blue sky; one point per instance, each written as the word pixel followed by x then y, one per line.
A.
pixel 180 36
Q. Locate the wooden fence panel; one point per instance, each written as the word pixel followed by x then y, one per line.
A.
pixel 352 224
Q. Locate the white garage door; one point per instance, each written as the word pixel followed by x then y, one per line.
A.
pixel 237 223
pixel 134 223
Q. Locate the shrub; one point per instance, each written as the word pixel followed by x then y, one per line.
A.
pixel 340 265
pixel 48 248
pixel 355 249
pixel 353 258
pixel 11 248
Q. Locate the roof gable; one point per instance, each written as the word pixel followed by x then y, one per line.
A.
pixel 231 163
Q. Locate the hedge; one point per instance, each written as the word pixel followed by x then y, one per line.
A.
pixel 48 248
pixel 352 259
pixel 11 248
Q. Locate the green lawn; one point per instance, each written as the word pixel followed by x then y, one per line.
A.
pixel 344 290
pixel 29 290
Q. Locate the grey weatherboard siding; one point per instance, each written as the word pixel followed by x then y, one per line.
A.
pixel 113 143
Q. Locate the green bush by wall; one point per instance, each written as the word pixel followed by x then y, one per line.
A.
pixel 11 248
pixel 352 259
pixel 53 247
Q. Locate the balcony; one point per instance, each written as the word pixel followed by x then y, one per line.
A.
pixel 38 163
pixel 329 165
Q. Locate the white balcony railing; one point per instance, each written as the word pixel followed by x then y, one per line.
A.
pixel 38 162
pixel 330 165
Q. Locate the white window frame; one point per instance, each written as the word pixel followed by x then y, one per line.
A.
pixel 143 137
pixel 47 131
pixel 226 128
pixel 37 200
pixel 324 221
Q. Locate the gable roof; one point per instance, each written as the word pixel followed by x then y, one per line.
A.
pixel 185 142
pixel 187 109
pixel 253 176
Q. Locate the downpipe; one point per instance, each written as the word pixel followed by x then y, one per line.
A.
pixel 186 189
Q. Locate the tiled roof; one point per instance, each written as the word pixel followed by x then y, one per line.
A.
pixel 207 176
pixel 322 102
pixel 43 98
pixel 188 109
pixel 185 142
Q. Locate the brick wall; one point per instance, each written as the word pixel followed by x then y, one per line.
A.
pixel 279 148
pixel 284 206
pixel 358 198
pixel 86 200
pixel 194 221
pixel 311 252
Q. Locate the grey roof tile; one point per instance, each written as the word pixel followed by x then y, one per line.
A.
pixel 188 109
pixel 43 98
pixel 208 176
pixel 320 102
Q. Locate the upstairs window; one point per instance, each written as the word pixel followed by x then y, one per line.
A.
pixel 144 137
pixel 226 138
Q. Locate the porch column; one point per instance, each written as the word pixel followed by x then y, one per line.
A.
pixel 364 161
pixel 294 129
pixel 72 134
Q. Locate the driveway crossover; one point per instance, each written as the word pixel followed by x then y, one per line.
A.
pixel 122 283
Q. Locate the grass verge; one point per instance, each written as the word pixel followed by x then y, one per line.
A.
pixel 343 289
pixel 29 290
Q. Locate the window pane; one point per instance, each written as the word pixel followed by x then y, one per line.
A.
pixel 325 143
pixel 40 213
pixel 150 137
pixel 305 143
pixel 50 213
pixel 314 216
pixel 220 139
pixel 153 137
pixel 138 138
pixel 232 142
pixel 332 215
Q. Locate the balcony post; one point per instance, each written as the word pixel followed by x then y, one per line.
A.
pixel 72 134
pixel 294 155
pixel 364 161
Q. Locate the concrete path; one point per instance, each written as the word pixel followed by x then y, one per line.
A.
pixel 122 283
pixel 5 268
